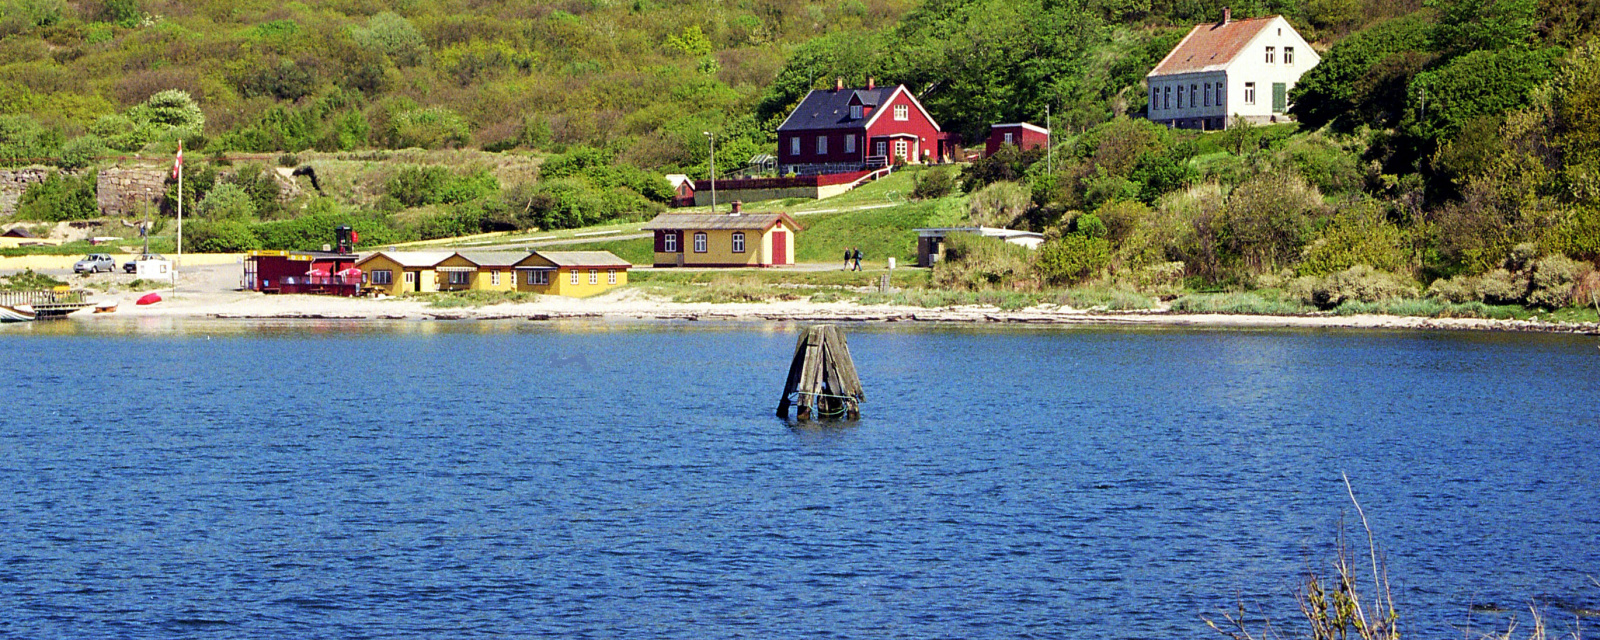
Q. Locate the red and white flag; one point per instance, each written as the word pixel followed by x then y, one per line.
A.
pixel 177 165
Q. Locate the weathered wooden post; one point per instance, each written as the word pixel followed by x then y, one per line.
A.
pixel 822 377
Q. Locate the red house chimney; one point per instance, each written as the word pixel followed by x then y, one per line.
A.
pixel 838 84
pixel 737 208
pixel 870 85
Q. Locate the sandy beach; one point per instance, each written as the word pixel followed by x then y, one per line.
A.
pixel 211 291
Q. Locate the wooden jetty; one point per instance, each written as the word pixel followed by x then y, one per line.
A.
pixel 822 377
pixel 47 304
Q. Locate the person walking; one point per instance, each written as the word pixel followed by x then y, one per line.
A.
pixel 847 258
pixel 858 258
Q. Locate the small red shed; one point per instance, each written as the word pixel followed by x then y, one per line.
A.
pixel 313 272
pixel 1022 135
pixel 682 190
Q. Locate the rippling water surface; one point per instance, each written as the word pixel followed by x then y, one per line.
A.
pixel 168 479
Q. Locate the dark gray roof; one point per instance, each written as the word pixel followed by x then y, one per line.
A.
pixel 830 109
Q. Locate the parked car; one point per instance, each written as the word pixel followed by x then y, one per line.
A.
pixel 133 265
pixel 95 262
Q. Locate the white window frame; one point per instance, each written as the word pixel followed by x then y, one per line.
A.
pixel 1009 135
pixel 383 276
pixel 700 242
pixel 411 277
pixel 822 145
pixel 494 278
pixel 1219 94
pixel 1288 55
pixel 1249 93
pixel 855 112
pixel 1208 94
pixel 594 276
pixel 1194 96
pixel 670 243
pixel 883 148
pixel 574 277
pixel 1166 97
pixel 902 149
pixel 1155 98
pixel 902 113
pixel 1272 55
pixel 794 145
pixel 611 276
pixel 538 277
pixel 1180 96
pixel 849 143
pixel 738 242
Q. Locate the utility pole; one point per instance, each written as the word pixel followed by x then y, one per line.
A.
pixel 1049 143
pixel 713 137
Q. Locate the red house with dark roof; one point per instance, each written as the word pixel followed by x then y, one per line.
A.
pixel 851 129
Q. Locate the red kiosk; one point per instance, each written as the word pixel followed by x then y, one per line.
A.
pixel 314 272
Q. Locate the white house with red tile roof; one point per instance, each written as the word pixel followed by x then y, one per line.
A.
pixel 1233 68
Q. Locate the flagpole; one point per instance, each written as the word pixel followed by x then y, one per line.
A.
pixel 179 263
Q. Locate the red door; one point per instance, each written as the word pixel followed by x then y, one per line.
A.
pixel 780 247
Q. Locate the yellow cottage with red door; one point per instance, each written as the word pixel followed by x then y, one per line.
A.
pixel 571 273
pixel 734 240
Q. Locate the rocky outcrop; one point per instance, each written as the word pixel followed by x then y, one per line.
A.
pixel 124 191
pixel 13 182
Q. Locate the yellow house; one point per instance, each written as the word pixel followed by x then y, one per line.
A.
pixel 492 270
pixel 395 272
pixel 571 273
pixel 734 240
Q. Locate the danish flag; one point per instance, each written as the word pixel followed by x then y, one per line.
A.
pixel 177 165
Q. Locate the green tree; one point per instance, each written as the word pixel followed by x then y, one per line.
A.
pixel 1482 25
pixel 1327 93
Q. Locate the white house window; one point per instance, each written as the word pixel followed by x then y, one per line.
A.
pixel 494 278
pixel 822 145
pixel 738 242
pixel 883 147
pixel 850 143
pixel 699 243
pixel 1208 94
pixel 1166 97
pixel 1154 94
pixel 459 277
pixel 794 146
pixel 1008 138
pixel 900 149
pixel 1272 55
pixel 611 276
pixel 539 277
pixel 669 243
pixel 383 276
pixel 1288 55
pixel 1194 95
pixel 1249 93
pixel 855 112
pixel 1180 96
pixel 902 112
pixel 594 276
pixel 411 277
pixel 1219 94
pixel 574 277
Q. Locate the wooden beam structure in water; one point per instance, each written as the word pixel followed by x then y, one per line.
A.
pixel 822 377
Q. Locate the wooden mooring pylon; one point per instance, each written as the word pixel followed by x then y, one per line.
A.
pixel 822 377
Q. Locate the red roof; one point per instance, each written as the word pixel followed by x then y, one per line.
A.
pixel 1211 46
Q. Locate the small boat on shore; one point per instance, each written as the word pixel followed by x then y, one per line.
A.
pixel 17 313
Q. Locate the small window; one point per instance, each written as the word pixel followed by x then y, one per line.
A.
pixel 855 112
pixel 822 145
pixel 594 276
pixel 669 243
pixel 411 277
pixel 700 243
pixel 611 276
pixel 901 150
pixel 883 147
pixel 902 112
pixel 1272 55
pixel 1249 93
pixel 1180 96
pixel 494 278
pixel 850 143
pixel 738 242
pixel 1154 95
pixel 1166 97
pixel 794 146
pixel 1219 94
pixel 1008 139
pixel 383 276
pixel 1194 96
pixel 540 277
pixel 460 277
pixel 574 278
pixel 1288 55
pixel 1208 94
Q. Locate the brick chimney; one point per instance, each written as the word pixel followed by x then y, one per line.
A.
pixel 737 208
pixel 870 85
pixel 838 84
pixel 1227 16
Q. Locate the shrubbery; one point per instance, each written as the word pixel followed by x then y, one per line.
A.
pixel 932 183
pixel 974 262
pixel 1072 258
pixel 1360 283
pixel 60 197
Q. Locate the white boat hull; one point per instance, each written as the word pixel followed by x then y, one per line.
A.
pixel 16 313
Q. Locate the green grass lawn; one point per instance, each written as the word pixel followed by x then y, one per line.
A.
pixel 879 233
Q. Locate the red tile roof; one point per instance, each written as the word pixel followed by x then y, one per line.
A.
pixel 1209 47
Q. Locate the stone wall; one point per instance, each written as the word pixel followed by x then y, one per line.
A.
pixel 13 182
pixel 123 191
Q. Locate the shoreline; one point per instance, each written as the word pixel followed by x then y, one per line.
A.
pixel 632 305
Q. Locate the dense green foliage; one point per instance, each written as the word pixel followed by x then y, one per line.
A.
pixel 60 197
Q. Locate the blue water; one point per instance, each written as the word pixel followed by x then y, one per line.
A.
pixel 188 479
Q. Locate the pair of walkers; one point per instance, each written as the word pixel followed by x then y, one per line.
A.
pixel 852 255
